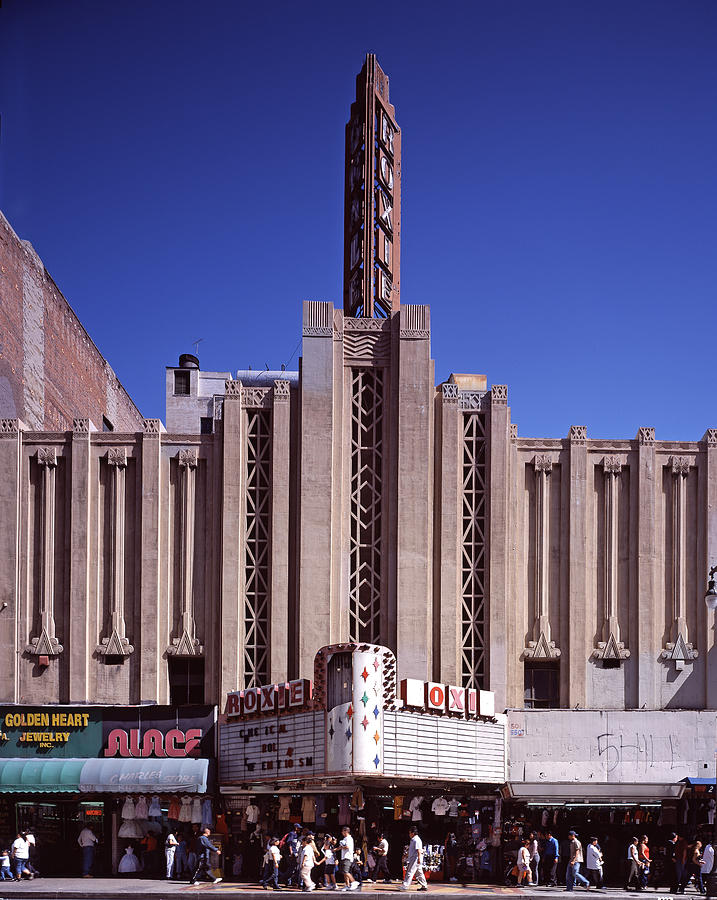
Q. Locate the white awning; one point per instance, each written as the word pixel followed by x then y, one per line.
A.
pixel 592 792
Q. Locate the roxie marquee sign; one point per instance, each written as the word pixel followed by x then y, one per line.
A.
pixel 418 696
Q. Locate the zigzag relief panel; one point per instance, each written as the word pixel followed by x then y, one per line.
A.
pixel 367 348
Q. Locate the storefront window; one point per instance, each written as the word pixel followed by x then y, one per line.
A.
pixel 542 685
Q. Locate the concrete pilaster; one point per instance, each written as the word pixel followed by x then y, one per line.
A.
pixel 232 563
pixel 498 543
pixel 279 629
pixel 148 637
pixel 414 494
pixel 80 649
pixel 647 646
pixel 448 530
pixel 10 503
pixel 319 491
pixel 710 512
pixel 579 648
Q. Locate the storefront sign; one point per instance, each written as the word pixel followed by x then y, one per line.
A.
pixel 111 731
pixel 175 743
pixel 268 700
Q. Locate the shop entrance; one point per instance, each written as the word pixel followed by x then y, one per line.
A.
pixel 56 826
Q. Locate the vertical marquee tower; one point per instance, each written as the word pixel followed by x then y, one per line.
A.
pixel 372 204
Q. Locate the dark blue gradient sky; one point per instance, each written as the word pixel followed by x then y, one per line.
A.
pixel 178 167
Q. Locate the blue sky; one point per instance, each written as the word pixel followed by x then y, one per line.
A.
pixel 179 168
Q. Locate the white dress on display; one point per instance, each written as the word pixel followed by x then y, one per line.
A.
pixel 185 812
pixel 155 808
pixel 197 811
pixel 140 807
pixel 128 809
pixel 129 862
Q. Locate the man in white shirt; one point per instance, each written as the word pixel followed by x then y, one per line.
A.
pixel 87 841
pixel 708 858
pixel 414 865
pixel 347 857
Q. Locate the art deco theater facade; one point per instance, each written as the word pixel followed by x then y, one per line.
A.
pixel 356 507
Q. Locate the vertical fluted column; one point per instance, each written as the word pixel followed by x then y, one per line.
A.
pixel 232 622
pixel 573 679
pixel 280 487
pixel 710 513
pixel 80 622
pixel 646 568
pixel 498 542
pixel 46 643
pixel 153 683
pixel 10 494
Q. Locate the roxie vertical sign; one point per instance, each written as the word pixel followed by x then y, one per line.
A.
pixel 372 200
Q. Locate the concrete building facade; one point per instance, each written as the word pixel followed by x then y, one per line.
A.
pixel 355 501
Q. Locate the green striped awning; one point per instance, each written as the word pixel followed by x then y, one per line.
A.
pixel 43 776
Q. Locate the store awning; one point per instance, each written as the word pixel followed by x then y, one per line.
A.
pixel 46 776
pixel 164 776
pixel 699 782
pixel 592 792
pixel 103 776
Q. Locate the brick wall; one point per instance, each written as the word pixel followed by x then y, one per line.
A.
pixel 50 370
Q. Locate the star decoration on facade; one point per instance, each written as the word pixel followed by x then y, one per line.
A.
pixel 377 737
pixel 376 711
pixel 349 712
pixel 376 760
pixel 365 723
pixel 364 699
pixel 364 674
pixel 348 734
pixel 376 664
pixel 331 731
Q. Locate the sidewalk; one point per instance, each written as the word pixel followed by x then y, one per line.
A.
pixel 117 888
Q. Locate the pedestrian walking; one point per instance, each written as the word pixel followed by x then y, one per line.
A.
pixel 523 863
pixel 87 840
pixel 551 859
pixel 347 857
pixel 414 864
pixel 575 858
pixel 380 852
pixel 205 850
pixel 270 873
pixel 671 876
pixel 534 851
pixel 633 866
pixel 643 854
pixel 594 862
pixel 328 850
pixel 170 848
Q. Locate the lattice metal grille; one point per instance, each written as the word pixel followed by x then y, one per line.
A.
pixel 473 555
pixel 257 548
pixel 367 415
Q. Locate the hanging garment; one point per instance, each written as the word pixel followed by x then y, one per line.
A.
pixel 544 818
pixel 357 801
pixel 284 807
pixel 174 807
pixel 453 807
pixel 711 811
pixel 155 808
pixel 197 811
pixel 129 862
pixel 130 828
pixel 221 826
pixel 252 813
pixel 140 807
pixel 185 812
pixel 128 809
pixel 207 812
pixel 321 808
pixel 439 806
pixel 397 808
pixel 415 809
pixel 344 810
pixel 308 808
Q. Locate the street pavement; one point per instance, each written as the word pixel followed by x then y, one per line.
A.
pixel 118 888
